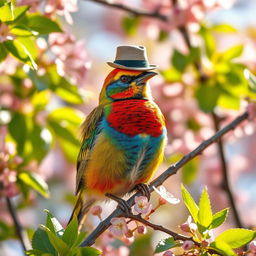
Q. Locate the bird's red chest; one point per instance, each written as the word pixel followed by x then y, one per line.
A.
pixel 136 116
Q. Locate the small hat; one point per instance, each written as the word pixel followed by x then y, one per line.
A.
pixel 131 57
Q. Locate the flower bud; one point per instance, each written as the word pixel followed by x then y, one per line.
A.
pixel 185 227
pixel 142 230
pixel 96 211
pixel 168 253
pixel 187 245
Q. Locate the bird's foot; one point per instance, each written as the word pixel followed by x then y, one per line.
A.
pixel 122 204
pixel 144 189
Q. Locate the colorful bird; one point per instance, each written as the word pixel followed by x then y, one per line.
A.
pixel 123 140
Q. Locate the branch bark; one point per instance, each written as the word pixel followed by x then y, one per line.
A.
pixel 90 239
pixel 136 12
pixel 225 185
pixel 18 228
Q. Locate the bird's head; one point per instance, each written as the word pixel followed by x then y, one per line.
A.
pixel 125 84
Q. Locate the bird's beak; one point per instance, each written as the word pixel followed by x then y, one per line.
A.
pixel 144 77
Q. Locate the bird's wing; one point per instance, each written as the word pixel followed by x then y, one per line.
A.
pixel 90 130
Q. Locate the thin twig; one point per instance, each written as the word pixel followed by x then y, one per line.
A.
pixel 19 230
pixel 136 12
pixel 90 240
pixel 226 186
pixel 175 235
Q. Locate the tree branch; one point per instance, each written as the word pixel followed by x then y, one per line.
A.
pixel 19 230
pixel 225 185
pixel 136 12
pixel 90 240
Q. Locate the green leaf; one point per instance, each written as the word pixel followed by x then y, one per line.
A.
pixel 19 51
pixel 223 248
pixel 71 233
pixel 179 60
pixel 39 141
pixel 42 24
pixel 17 124
pixel 166 244
pixel 53 224
pixel 251 78
pixel 224 28
pixel 80 238
pixel 30 44
pixel 218 218
pixel 41 242
pixel 3 52
pixel 141 246
pixel 57 243
pixel 20 11
pixel 86 251
pixel 63 88
pixel 190 203
pixel 236 237
pixel 21 31
pixel 209 41
pixel 205 211
pixel 207 96
pixel 130 25
pixel 34 181
pixel 171 75
pixel 70 115
pixel 232 53
pixel 189 171
pixel 70 150
pixel 62 132
pixel 68 92
pixel 229 101
pixel 6 12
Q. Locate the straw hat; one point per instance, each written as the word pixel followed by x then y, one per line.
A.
pixel 131 57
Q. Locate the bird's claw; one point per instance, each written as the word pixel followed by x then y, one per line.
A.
pixel 144 189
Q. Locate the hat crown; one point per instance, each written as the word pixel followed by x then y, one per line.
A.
pixel 130 52
pixel 131 57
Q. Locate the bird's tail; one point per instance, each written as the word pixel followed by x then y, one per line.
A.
pixel 81 207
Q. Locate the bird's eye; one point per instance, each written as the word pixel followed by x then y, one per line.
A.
pixel 124 79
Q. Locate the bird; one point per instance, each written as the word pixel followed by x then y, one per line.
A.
pixel 123 140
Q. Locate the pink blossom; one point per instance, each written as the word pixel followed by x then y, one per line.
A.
pixel 119 226
pixel 62 8
pixel 7 181
pixel 9 65
pixel 187 245
pixel 252 246
pixel 142 205
pixel 168 253
pixel 167 196
pixel 188 226
pixel 71 56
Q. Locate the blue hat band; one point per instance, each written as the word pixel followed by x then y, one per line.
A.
pixel 133 63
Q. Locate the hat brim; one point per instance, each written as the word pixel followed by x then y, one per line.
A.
pixel 115 65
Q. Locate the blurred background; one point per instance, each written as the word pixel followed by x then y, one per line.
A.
pixel 201 48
